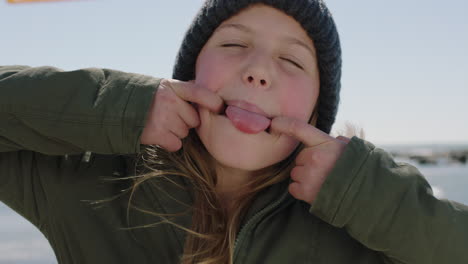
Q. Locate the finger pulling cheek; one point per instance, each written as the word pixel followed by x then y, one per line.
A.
pixel 298 173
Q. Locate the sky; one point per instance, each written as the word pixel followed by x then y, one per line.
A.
pixel 405 63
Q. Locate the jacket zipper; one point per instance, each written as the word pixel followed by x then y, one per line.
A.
pixel 244 229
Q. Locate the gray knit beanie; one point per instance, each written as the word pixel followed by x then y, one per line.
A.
pixel 314 17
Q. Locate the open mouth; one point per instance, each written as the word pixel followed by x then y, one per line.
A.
pixel 241 124
pixel 223 110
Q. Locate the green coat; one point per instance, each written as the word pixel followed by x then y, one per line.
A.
pixel 369 210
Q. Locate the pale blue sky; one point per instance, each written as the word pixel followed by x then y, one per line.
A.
pixel 405 62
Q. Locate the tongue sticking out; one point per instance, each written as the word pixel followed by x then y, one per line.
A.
pixel 246 121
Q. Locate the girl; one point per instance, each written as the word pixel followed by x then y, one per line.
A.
pixel 257 180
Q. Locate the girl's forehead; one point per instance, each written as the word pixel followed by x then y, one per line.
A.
pixel 261 19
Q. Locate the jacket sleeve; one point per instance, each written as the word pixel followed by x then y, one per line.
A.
pixel 46 113
pixel 389 207
pixel 51 111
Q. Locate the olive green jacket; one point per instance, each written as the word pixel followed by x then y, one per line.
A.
pixel 63 135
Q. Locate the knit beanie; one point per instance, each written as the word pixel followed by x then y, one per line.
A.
pixel 314 17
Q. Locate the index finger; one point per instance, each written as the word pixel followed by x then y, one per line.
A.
pixel 191 92
pixel 301 130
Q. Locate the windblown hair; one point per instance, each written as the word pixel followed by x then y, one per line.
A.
pixel 211 238
pixel 213 232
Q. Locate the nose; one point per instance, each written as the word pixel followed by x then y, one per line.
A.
pixel 257 73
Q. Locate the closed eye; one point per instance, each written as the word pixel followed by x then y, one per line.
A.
pixel 233 45
pixel 293 63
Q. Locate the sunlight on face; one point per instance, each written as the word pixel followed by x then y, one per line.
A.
pixel 264 57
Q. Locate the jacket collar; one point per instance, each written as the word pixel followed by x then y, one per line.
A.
pixel 160 195
pixel 264 198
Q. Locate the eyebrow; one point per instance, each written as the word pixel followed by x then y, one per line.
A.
pixel 289 39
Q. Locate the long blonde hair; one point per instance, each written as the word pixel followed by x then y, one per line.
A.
pixel 213 232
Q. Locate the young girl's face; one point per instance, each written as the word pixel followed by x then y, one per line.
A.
pixel 263 57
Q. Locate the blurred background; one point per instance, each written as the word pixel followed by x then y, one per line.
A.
pixel 405 75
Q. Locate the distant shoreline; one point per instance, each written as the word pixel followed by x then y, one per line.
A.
pixel 430 154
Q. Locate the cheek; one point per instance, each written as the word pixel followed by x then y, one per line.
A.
pixel 211 71
pixel 298 99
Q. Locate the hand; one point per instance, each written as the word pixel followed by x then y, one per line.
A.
pixel 315 161
pixel 171 115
